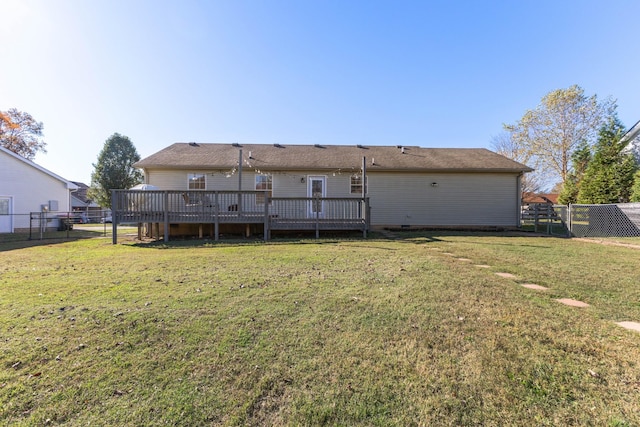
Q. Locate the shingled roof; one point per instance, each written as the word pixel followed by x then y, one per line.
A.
pixel 329 157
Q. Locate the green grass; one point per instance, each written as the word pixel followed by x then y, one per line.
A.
pixel 330 332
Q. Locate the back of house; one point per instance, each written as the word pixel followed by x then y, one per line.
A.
pixel 407 186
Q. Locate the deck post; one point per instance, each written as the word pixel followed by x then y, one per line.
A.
pixel 317 207
pixel 166 216
pixel 216 220
pixel 266 216
pixel 240 183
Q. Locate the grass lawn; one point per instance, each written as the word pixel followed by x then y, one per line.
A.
pixel 331 332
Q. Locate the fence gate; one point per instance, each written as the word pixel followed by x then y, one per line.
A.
pixel 612 220
pixel 546 218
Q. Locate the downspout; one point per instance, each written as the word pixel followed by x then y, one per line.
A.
pixel 519 200
pixel 71 191
pixel 240 182
pixel 365 212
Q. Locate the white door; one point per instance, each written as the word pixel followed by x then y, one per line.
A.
pixel 5 215
pixel 317 187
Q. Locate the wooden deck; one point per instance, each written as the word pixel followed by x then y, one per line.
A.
pixel 246 207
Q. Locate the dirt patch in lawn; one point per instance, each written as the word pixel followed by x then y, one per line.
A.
pixel 608 242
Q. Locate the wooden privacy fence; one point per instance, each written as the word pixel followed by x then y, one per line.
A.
pixel 238 207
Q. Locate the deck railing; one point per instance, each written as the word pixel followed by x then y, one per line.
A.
pixel 239 207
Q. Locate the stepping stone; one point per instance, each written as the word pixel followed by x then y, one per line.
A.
pixel 483 266
pixel 572 302
pixel 536 287
pixel 464 259
pixel 506 275
pixel 635 326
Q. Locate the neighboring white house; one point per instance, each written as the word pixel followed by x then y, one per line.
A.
pixel 632 139
pixel 407 186
pixel 26 187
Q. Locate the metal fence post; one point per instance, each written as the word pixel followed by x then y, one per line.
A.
pixel 114 217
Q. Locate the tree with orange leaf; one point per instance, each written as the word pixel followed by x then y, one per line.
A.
pixel 21 133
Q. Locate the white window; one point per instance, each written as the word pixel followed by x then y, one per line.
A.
pixel 197 181
pixel 356 184
pixel 263 183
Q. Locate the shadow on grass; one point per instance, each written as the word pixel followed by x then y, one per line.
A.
pixel 13 241
pixel 302 239
pixel 416 237
pixel 421 237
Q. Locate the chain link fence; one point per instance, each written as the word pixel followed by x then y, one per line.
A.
pixel 612 220
pixel 56 225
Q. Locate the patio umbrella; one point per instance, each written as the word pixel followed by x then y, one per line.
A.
pixel 144 187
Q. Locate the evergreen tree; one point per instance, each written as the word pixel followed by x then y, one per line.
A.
pixel 579 162
pixel 609 175
pixel 635 190
pixel 114 169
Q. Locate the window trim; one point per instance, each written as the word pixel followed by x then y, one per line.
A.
pixel 195 178
pixel 269 180
pixel 358 186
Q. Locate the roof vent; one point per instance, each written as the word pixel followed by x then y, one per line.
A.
pixel 361 146
pixel 318 146
pixel 402 150
pixel 235 144
pixel 194 144
pixel 277 145
pixel 398 146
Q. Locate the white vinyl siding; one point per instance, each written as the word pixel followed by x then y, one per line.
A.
pixel 29 188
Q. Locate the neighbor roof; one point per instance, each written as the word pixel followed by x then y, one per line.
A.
pixel 329 157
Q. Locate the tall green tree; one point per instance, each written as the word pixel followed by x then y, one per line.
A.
pixel 610 174
pixel 114 169
pixel 563 121
pixel 571 187
pixel 635 190
pixel 21 133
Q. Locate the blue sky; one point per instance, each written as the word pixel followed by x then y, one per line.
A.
pixel 427 73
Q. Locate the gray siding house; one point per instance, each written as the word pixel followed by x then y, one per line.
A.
pixel 406 186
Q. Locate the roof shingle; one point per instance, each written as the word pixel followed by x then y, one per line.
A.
pixel 329 157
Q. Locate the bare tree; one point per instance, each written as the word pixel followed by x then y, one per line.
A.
pixel 506 145
pixel 565 119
